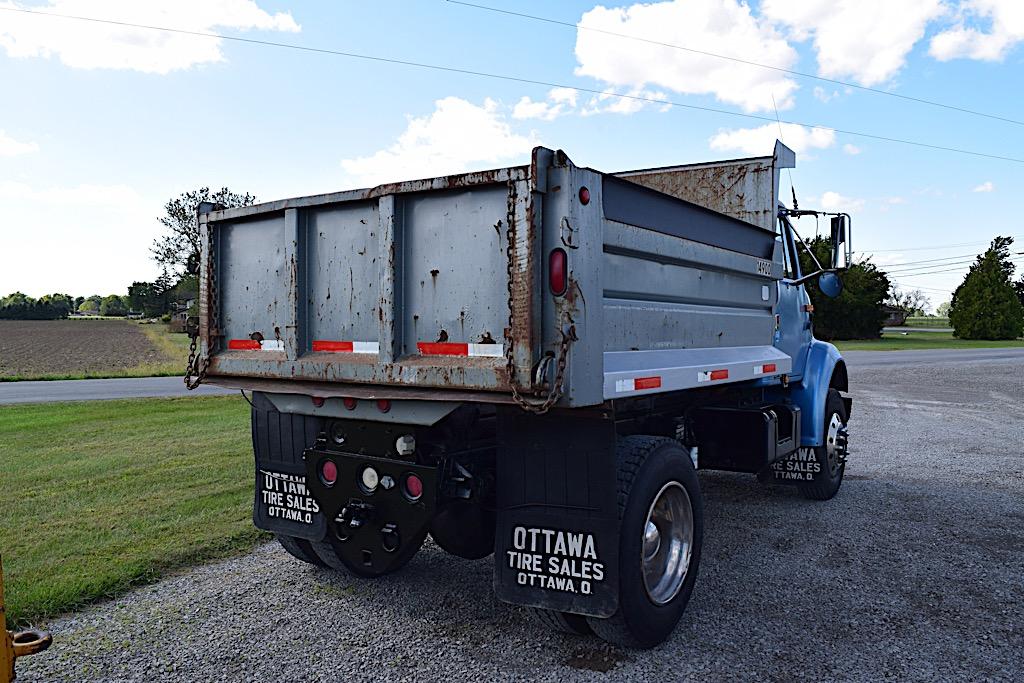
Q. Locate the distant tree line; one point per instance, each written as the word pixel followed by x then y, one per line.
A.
pixel 149 299
pixel 19 306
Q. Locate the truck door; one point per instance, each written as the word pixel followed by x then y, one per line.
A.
pixel 792 319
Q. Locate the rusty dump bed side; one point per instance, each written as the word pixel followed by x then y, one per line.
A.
pixel 403 284
pixel 438 289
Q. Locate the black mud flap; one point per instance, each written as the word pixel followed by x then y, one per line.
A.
pixel 799 466
pixel 283 504
pixel 557 540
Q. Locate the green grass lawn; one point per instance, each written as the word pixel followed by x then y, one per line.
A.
pixel 894 341
pixel 925 321
pixel 99 496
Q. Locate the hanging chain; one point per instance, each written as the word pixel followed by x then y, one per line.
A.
pixel 198 365
pixel 555 392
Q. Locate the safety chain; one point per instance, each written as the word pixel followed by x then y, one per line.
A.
pixel 199 365
pixel 568 337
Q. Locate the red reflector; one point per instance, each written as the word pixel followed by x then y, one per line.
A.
pixel 719 374
pixel 244 345
pixel 584 196
pixel 318 401
pixel 328 472
pixel 324 345
pixel 413 486
pixel 646 383
pixel 350 403
pixel 558 278
pixel 443 349
pixel 383 405
pixel 768 367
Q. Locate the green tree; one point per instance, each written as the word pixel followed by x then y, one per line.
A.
pixel 943 309
pixel 986 304
pixel 113 305
pixel 178 249
pixel 16 299
pixel 857 312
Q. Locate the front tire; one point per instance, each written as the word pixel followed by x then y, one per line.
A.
pixel 831 455
pixel 661 531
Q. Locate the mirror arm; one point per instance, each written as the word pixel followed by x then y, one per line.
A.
pixel 799 281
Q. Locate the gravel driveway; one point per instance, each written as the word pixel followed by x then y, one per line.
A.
pixel 914 571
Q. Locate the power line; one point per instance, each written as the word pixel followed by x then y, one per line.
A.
pixel 941 246
pixel 505 77
pixel 791 72
pixel 950 270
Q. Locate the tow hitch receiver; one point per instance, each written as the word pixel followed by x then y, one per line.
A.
pixel 371 506
pixel 15 645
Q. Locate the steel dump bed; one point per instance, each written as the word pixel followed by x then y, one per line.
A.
pixel 442 289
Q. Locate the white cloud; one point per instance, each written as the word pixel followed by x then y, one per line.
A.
pixel 457 134
pixel 852 150
pixel 823 95
pixel 9 147
pixel 560 101
pixel 760 141
pixel 896 200
pixel 103 231
pixel 986 186
pixel 90 45
pixel 833 201
pixel 1004 20
pixel 718 26
pixel 866 40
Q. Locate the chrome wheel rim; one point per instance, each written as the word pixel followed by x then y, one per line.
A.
pixel 832 443
pixel 667 543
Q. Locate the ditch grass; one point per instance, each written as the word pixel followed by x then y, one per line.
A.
pixel 100 496
pixel 917 341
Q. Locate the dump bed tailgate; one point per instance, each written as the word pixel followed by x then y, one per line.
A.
pixel 404 284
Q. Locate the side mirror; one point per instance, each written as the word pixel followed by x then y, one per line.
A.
pixel 830 284
pixel 838 238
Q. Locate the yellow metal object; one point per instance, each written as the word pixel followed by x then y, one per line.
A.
pixel 14 645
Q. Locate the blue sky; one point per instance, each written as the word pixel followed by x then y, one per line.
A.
pixel 100 125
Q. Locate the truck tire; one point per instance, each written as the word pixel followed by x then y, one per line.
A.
pixel 659 502
pixel 828 455
pixel 300 549
pixel 564 622
pixel 335 560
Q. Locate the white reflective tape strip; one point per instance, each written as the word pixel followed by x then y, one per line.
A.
pixel 703 376
pixel 490 350
pixel 271 345
pixel 758 369
pixel 622 385
pixel 365 347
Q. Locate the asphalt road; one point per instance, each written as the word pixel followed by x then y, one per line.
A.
pixel 95 389
pixel 934 357
pixel 913 572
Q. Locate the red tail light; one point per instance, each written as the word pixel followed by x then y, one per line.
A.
pixel 318 401
pixel 350 403
pixel 558 272
pixel 413 487
pixel 328 472
pixel 584 196
pixel 383 405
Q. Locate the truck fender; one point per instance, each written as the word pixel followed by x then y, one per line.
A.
pixel 825 370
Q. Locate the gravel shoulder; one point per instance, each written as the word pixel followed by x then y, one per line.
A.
pixel 914 571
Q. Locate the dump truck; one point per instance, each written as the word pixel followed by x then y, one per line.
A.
pixel 530 363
